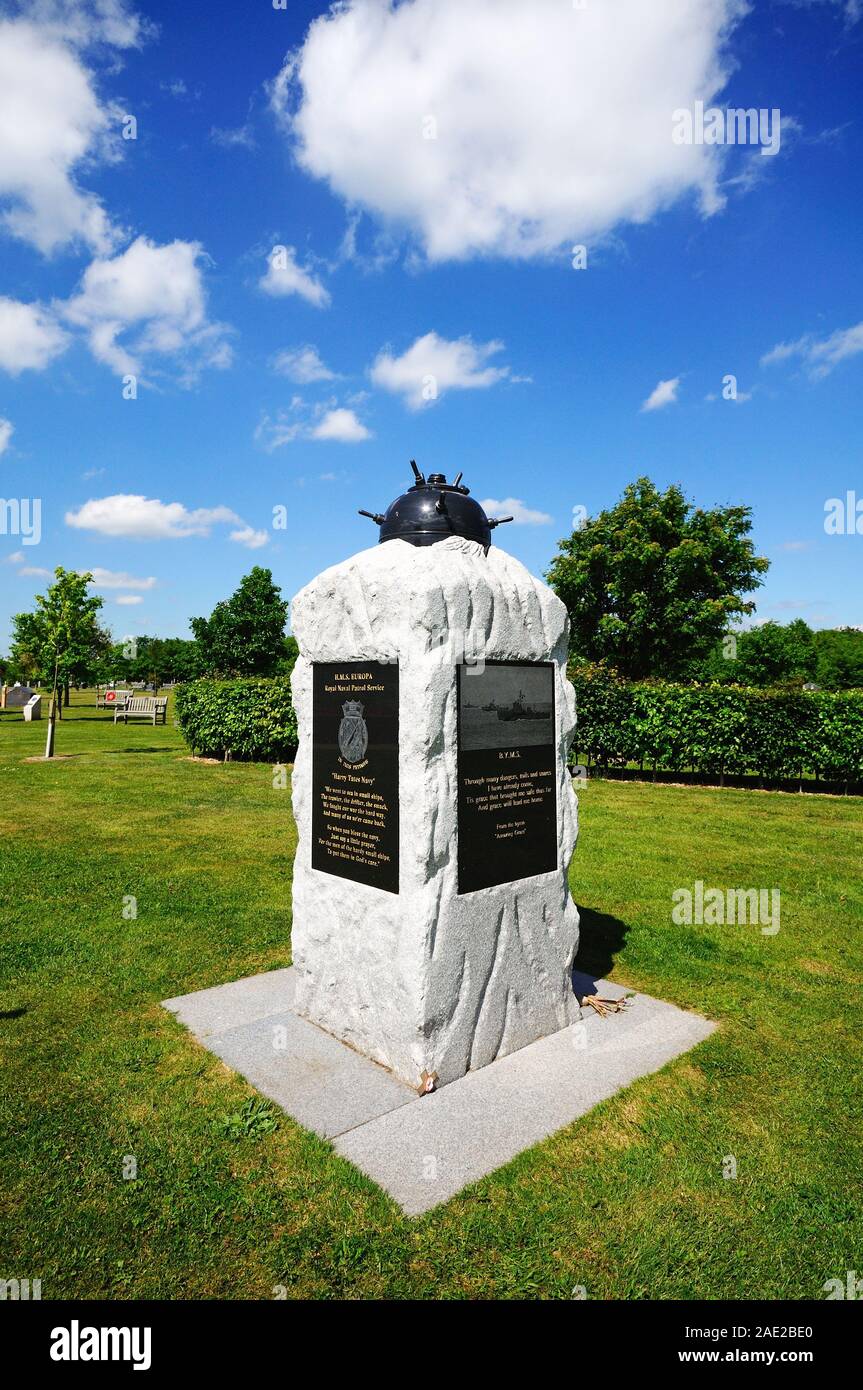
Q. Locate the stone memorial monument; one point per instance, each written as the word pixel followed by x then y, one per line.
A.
pixel 33 708
pixel 433 925
pixel 15 696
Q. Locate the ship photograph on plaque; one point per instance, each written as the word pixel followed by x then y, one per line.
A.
pixel 507 806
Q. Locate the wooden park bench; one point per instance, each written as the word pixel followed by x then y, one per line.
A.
pixel 143 707
pixel 111 699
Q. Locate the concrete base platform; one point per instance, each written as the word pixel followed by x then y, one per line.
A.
pixel 422 1150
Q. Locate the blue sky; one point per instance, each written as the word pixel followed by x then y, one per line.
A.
pixel 429 166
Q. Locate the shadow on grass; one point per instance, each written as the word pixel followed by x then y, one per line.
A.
pixel 112 752
pixel 601 938
pixel 93 753
pixel 69 718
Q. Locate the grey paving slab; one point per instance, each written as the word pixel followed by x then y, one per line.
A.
pixel 422 1151
pixel 426 1153
pixel 321 1083
pixel 227 1006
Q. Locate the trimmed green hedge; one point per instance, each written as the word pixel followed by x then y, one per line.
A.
pixel 715 730
pixel 719 730
pixel 252 718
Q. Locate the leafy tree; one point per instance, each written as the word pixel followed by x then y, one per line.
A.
pixel 288 660
pixel 245 634
pixel 839 658
pixel 651 584
pixel 61 642
pixel 767 655
pixel 24 661
pixel 773 654
pixel 152 659
pixel 179 659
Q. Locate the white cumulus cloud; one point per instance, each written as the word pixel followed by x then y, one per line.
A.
pixel 497 127
pixel 29 337
pixel 157 293
pixel 303 365
pixel 118 579
pixel 83 23
pixel 146 518
pixel 128 599
pixel 248 536
pixel 322 422
pixel 341 425
pixel 432 365
pixel 53 124
pixel 514 507
pixel 664 393
pixel 284 276
pixel 7 429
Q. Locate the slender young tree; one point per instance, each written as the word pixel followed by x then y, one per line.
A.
pixel 61 641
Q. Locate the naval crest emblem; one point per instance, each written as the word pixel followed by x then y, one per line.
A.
pixel 353 734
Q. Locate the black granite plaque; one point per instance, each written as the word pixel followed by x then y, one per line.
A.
pixel 355 771
pixel 507 799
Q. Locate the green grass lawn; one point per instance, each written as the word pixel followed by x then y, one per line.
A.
pixel 630 1202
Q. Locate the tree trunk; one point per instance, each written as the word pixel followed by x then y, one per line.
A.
pixel 54 709
pixel 49 740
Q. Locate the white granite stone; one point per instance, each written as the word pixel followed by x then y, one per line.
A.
pixel 427 980
pixel 33 708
